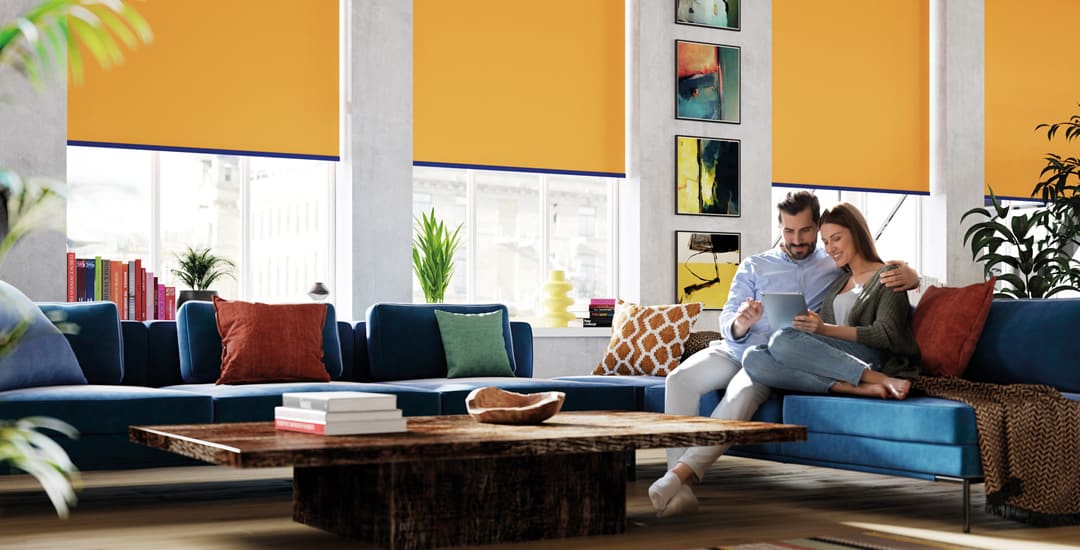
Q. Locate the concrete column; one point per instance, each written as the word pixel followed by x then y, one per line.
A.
pixel 957 150
pixel 33 143
pixel 374 185
pixel 647 219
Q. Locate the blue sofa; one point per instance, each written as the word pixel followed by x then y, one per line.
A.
pixel 1023 342
pixel 163 372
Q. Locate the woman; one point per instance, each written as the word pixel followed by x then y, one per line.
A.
pixel 861 343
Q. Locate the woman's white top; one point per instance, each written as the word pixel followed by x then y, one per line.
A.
pixel 843 303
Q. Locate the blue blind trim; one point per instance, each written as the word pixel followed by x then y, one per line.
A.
pixel 1029 198
pixel 519 169
pixel 840 188
pixel 171 149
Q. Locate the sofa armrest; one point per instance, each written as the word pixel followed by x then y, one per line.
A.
pixel 522 335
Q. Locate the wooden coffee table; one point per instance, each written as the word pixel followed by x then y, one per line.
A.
pixel 452 481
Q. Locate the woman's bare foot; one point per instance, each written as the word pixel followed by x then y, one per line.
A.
pixel 864 389
pixel 898 388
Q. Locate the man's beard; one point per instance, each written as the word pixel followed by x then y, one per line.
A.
pixel 800 253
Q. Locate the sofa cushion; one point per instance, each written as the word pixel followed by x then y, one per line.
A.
pixel 580 396
pixel 917 418
pixel 163 357
pixel 200 343
pixel 97 342
pixel 947 325
pixel 474 344
pixel 263 343
pixel 95 409
pixel 1029 342
pixel 907 458
pixel 647 340
pixel 40 356
pixel 639 383
pixel 404 342
pixel 256 402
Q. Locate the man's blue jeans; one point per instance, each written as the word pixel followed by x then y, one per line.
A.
pixel 801 361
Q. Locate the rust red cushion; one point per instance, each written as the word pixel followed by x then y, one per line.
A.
pixel 948 323
pixel 270 343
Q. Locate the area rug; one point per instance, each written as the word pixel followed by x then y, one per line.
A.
pixel 867 540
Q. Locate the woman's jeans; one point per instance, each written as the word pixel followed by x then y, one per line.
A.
pixel 801 361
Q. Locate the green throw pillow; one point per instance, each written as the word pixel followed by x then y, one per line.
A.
pixel 474 344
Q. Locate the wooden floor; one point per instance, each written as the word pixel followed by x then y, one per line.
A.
pixel 742 501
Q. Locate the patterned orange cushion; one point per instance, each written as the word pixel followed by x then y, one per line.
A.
pixel 647 339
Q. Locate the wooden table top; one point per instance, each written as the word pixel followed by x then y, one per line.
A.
pixel 259 444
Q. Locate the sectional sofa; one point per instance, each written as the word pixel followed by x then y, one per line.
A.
pixel 162 372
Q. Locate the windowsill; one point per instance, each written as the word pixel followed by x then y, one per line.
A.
pixel 572 332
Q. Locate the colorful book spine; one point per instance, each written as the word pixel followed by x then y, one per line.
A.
pixel 90 278
pixel 98 273
pixel 124 298
pixel 132 268
pixel 160 304
pixel 170 303
pixel 150 294
pixel 72 285
pixel 80 279
pixel 140 291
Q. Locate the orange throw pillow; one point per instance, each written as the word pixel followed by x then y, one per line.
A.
pixel 270 343
pixel 948 323
pixel 647 340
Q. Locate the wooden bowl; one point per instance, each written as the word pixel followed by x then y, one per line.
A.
pixel 497 406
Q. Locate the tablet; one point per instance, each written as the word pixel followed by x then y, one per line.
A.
pixel 782 307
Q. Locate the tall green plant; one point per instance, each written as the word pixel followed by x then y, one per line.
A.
pixel 23 446
pixel 1059 183
pixel 1040 268
pixel 433 256
pixel 200 268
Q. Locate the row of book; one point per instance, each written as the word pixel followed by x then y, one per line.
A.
pixel 601 312
pixel 339 413
pixel 136 292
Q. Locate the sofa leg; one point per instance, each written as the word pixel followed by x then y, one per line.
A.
pixel 967 505
pixel 966 488
pixel 631 464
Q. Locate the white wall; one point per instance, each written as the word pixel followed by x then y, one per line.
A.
pixel 33 141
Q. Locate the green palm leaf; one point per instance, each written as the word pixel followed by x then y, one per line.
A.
pixel 35 42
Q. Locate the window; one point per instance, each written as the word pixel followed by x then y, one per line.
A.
pixel 131 204
pixel 894 219
pixel 516 228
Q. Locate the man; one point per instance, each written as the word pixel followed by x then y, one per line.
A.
pixel 796 265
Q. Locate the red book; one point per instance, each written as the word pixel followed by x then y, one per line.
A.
pixel 170 303
pixel 159 305
pixel 72 287
pixel 125 291
pixel 298 426
pixel 140 291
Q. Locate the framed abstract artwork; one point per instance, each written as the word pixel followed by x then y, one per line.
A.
pixel 717 14
pixel 707 82
pixel 706 176
pixel 705 264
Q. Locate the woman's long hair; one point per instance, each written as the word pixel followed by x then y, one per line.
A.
pixel 846 215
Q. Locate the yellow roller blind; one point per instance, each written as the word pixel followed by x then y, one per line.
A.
pixel 246 76
pixel 519 85
pixel 851 94
pixel 1031 78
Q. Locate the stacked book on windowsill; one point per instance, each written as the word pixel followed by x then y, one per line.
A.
pixel 339 413
pixel 601 312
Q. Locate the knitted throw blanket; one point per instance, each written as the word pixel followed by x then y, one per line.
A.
pixel 1029 440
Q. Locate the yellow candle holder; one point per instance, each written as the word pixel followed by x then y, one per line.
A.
pixel 556 301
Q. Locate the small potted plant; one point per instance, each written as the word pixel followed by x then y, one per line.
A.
pixel 199 268
pixel 433 251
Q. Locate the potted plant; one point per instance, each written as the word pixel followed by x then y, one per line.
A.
pixel 1045 238
pixel 30 45
pixel 433 256
pixel 199 268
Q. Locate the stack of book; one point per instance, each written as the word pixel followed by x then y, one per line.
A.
pixel 339 413
pixel 601 312
pixel 135 290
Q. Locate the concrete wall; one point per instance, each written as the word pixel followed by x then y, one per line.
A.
pixel 33 142
pixel 647 216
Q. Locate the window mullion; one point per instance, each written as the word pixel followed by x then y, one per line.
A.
pixel 545 233
pixel 470 223
pixel 245 229
pixel 155 211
